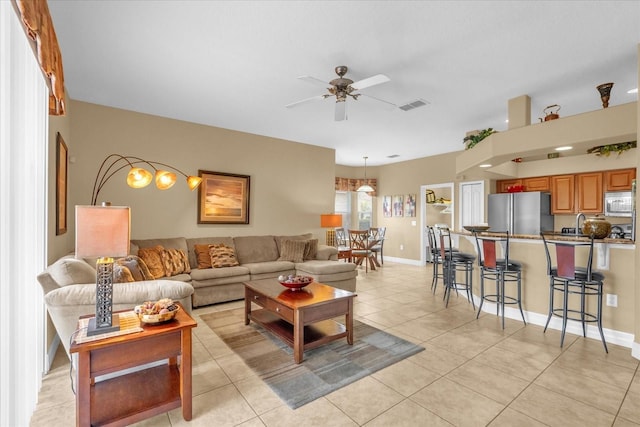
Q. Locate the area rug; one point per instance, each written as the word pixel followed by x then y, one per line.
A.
pixel 324 369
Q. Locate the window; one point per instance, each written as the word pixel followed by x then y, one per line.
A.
pixel 365 209
pixel 343 207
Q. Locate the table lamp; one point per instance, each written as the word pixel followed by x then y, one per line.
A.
pixel 103 232
pixel 331 221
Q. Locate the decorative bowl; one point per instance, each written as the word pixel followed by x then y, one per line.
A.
pixel 475 228
pixel 152 318
pixel 296 282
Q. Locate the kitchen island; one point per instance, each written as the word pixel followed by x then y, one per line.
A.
pixel 615 258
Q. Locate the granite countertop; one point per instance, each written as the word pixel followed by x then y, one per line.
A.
pixel 554 235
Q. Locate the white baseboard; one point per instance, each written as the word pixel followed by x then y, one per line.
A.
pixel 611 336
pixel 51 353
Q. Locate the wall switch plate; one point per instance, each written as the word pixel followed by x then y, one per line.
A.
pixel 612 300
pixel 402 247
pixel 413 223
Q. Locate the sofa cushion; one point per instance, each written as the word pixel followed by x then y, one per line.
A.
pixel 217 273
pixel 278 267
pixel 203 256
pixel 122 274
pixel 222 256
pixel 280 239
pixel 310 249
pixel 136 266
pixel 250 249
pixel 174 262
pixel 203 243
pixel 292 250
pixel 325 267
pixel 69 271
pixel 152 257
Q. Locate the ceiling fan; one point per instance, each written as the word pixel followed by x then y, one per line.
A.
pixel 343 88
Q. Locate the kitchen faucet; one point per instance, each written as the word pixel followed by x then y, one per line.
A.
pixel 578 230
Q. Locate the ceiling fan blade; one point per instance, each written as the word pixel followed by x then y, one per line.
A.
pixel 315 81
pixel 341 111
pixel 370 81
pixel 387 103
pixel 304 101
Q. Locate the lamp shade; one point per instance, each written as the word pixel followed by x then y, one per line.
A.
pixel 366 188
pixel 102 231
pixel 193 182
pixel 330 220
pixel 165 179
pixel 139 178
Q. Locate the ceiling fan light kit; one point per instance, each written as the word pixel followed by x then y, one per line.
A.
pixel 342 88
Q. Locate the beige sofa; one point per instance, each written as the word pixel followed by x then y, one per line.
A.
pixel 69 287
pixel 259 259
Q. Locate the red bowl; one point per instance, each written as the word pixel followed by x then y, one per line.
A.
pixel 297 285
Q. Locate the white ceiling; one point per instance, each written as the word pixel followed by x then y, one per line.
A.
pixel 234 64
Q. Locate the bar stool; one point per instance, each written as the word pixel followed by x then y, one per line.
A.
pixel 454 262
pixel 436 260
pixel 568 278
pixel 501 271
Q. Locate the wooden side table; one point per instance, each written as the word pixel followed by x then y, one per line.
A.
pixel 132 397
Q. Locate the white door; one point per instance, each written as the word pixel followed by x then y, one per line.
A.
pixel 471 203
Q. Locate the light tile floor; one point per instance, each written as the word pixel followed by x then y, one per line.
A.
pixel 472 373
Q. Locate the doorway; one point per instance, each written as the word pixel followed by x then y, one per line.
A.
pixel 439 210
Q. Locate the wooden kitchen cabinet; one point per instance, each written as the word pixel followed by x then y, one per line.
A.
pixel 590 192
pixel 619 180
pixel 540 183
pixel 562 194
pixel 502 186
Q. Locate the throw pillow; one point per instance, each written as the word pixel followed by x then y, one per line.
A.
pixel 174 262
pixel 136 267
pixel 121 274
pixel 310 249
pixel 203 256
pixel 222 256
pixel 292 250
pixel 153 258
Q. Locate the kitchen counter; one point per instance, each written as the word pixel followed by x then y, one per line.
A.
pixel 552 236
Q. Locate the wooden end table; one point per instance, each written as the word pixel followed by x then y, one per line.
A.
pixel 301 318
pixel 132 397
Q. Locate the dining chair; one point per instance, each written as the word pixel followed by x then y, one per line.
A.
pixel 342 242
pixel 378 234
pixel 360 249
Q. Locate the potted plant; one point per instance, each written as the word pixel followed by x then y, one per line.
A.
pixel 472 140
pixel 605 150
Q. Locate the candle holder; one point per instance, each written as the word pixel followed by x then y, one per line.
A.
pixel 605 91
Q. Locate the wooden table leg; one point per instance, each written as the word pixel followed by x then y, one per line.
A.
pixel 298 336
pixel 348 318
pixel 83 392
pixel 185 375
pixel 247 306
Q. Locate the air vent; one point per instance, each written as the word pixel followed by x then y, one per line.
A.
pixel 393 156
pixel 413 104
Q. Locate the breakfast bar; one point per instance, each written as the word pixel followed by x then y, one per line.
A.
pixel 613 257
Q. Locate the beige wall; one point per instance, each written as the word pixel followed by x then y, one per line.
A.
pixel 291 183
pixel 637 253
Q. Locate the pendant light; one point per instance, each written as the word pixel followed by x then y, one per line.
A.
pixel 366 187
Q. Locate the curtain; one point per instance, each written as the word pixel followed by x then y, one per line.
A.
pixel 23 216
pixel 352 184
pixel 39 27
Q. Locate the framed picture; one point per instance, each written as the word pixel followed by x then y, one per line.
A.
pixel 223 198
pixel 386 206
pixel 398 205
pixel 410 205
pixel 62 161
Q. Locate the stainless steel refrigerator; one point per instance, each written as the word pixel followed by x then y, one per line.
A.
pixel 520 213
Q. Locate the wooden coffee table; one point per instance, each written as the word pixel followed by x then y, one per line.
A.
pixel 300 318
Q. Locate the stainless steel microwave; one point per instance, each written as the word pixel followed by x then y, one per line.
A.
pixel 618 203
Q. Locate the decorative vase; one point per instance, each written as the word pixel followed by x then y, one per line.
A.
pixel 596 225
pixel 605 92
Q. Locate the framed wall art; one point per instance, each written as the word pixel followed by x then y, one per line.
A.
pixel 398 205
pixel 386 206
pixel 410 205
pixel 223 198
pixel 62 162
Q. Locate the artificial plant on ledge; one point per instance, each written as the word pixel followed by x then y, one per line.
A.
pixel 605 150
pixel 472 140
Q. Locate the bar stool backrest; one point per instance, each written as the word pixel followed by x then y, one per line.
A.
pixel 431 235
pixel 566 258
pixel 445 244
pixel 488 256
